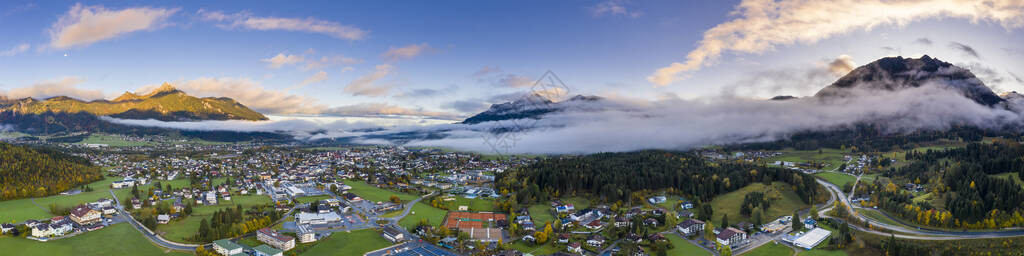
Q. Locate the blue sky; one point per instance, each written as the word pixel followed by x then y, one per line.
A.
pixel 441 48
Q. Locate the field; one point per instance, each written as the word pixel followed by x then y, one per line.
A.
pixel 832 157
pixel 544 249
pixel 682 247
pixel 541 213
pixel 729 203
pixel 840 179
pixel 770 249
pixel 113 141
pixel 820 252
pixel 23 209
pixel 422 210
pixel 178 230
pixel 355 243
pixel 310 199
pixel 119 239
pixel 375 194
pixel 475 204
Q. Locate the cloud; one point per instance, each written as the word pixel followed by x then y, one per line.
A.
pixel 249 93
pixel 405 52
pixel 486 70
pixel 325 61
pixel 923 40
pixel 842 65
pixel 467 106
pixel 378 109
pixel 367 85
pixel 85 25
pixel 309 25
pixel 282 59
pixel 67 86
pixel 965 49
pixel 315 78
pixel 15 50
pixel 614 7
pixel 761 25
pixel 514 81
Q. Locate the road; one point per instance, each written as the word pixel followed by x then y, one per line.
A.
pixel 907 233
pixel 153 237
pixel 408 208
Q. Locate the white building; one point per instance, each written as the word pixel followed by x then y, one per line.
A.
pixel 812 238
pixel 317 218
pixel 306 234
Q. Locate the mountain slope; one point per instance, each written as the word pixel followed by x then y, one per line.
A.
pixel 897 73
pixel 28 172
pixel 165 103
pixel 532 106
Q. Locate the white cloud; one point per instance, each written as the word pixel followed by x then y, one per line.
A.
pixel 315 78
pixel 614 7
pixel 761 25
pixel 405 52
pixel 84 25
pixel 67 86
pixel 15 50
pixel 309 25
pixel 249 93
pixel 368 84
pixel 842 65
pixel 325 61
pixel 282 59
pixel 377 109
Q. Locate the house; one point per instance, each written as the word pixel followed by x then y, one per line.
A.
pixel 41 230
pixel 352 197
pixel 178 207
pixel 109 211
pixel 163 219
pixel 595 240
pixel 634 238
pixel 306 234
pixel 264 250
pixel 690 227
pixel 621 221
pixel 563 238
pixel 331 202
pixel 84 215
pixel 684 214
pixel 275 239
pixel 745 226
pixel 650 222
pixel 226 247
pixel 392 234
pixel 655 237
pixel 575 247
pixel 731 237
pixel 657 199
pixel 595 225
pixel 686 205
pixel 810 223
pixel 6 227
pixel 136 203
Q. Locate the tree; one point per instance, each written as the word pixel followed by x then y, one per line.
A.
pixel 204 229
pixel 725 221
pixel 541 237
pixel 395 199
pixel 814 212
pixel 797 223
pixel 709 233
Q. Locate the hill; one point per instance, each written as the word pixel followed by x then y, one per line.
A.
pixel 166 103
pixel 29 172
pixel 534 106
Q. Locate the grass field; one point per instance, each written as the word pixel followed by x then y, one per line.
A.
pixel 819 252
pixel 545 249
pixel 355 243
pixel 119 239
pixel 375 194
pixel 475 204
pixel 729 203
pixel 113 141
pixel 682 247
pixel 840 179
pixel 541 213
pixel 770 249
pixel 178 230
pixel 310 199
pixel 23 209
pixel 832 157
pixel 422 210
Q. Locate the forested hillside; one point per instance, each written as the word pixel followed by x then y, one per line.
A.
pixel 29 172
pixel 617 176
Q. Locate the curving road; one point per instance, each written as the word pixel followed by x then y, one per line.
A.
pixel 153 237
pixel 919 233
pixel 408 208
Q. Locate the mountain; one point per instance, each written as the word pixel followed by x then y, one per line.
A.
pixel 166 103
pixel 532 106
pixel 897 73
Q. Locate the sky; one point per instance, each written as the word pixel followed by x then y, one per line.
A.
pixel 445 60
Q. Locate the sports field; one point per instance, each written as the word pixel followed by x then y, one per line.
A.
pixel 423 211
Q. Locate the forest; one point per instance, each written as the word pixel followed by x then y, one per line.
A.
pixel 618 176
pixel 37 172
pixel 961 179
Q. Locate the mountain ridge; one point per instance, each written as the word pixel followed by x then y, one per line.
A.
pixel 165 103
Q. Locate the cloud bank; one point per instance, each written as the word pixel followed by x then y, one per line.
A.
pixel 406 52
pixel 761 25
pixel 67 86
pixel 85 25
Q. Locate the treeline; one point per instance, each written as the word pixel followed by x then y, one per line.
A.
pixel 865 137
pixel 37 172
pixel 619 176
